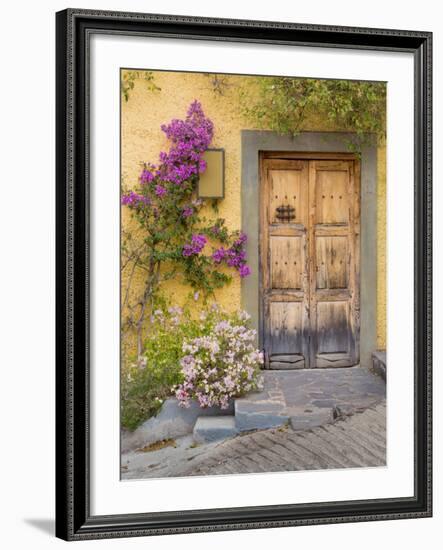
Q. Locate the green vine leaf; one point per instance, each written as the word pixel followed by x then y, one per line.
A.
pixel 128 79
pixel 286 105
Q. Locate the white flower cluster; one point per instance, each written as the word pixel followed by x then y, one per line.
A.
pixel 220 366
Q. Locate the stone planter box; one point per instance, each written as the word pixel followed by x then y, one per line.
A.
pixel 171 422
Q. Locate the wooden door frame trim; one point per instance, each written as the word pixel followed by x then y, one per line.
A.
pixel 322 145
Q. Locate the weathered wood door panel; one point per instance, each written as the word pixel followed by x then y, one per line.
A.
pixel 309 255
pixel 334 200
pixel 285 269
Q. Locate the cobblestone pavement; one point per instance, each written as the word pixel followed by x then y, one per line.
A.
pixel 355 441
pixel 307 397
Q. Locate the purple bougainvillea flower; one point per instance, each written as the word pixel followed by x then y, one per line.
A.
pixel 190 138
pixel 179 174
pixel 175 176
pixel 146 177
pixel 240 241
pixel 197 244
pixel 244 271
pixel 235 257
pixel 188 211
pixel 188 250
pixel 133 199
pixel 219 255
pixel 160 191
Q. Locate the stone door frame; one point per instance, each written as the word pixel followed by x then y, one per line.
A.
pixel 252 143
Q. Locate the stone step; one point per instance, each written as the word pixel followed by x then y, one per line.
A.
pixel 251 414
pixel 307 420
pixel 214 428
pixel 255 415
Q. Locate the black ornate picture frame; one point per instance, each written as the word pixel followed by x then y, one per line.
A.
pixel 74 30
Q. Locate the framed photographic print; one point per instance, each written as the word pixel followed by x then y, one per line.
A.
pixel 243 274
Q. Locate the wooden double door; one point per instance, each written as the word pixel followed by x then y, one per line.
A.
pixel 310 260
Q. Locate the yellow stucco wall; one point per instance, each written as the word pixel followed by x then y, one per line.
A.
pixel 142 140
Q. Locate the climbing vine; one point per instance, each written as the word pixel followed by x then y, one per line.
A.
pixel 219 83
pixel 285 105
pixel 173 239
pixel 128 79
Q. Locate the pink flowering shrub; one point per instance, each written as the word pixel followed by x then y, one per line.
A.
pixel 220 364
pixel 209 357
